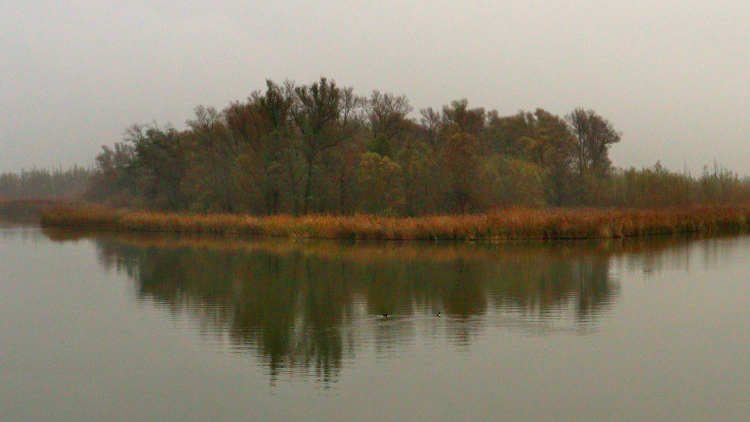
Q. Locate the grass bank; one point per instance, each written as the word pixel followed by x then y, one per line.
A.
pixel 545 224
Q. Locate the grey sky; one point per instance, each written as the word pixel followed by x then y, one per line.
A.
pixel 672 75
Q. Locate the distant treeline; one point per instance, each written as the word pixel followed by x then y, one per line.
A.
pixel 42 183
pixel 321 148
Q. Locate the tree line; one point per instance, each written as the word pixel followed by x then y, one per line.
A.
pixel 321 148
pixel 45 184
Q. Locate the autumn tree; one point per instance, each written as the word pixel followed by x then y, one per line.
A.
pixel 507 182
pixel 460 162
pixel 463 119
pixel 264 126
pixel 380 181
pixel 159 165
pixel 322 113
pixel 431 126
pixel 386 120
pixel 114 178
pixel 593 137
pixel 322 148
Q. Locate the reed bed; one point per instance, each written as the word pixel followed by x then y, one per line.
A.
pixel 511 224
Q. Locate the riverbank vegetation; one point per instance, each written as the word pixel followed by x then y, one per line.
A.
pixel 322 149
pixel 319 161
pixel 510 224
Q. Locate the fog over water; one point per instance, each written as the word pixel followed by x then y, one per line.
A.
pixel 671 75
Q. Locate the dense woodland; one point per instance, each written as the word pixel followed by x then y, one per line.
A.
pixel 321 148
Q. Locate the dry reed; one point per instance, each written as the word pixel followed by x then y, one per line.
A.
pixel 511 224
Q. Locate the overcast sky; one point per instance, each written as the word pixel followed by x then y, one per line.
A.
pixel 672 75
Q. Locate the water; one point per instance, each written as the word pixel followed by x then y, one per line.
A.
pixel 125 328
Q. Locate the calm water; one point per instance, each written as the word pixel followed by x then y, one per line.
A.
pixel 136 328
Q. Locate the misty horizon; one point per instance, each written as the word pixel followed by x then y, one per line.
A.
pixel 670 77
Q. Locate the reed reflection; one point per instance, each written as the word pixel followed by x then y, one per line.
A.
pixel 308 307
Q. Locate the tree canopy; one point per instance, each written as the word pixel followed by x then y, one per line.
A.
pixel 322 148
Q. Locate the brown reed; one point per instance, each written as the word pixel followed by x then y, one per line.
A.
pixel 510 224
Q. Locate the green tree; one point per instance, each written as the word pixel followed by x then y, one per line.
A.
pixel 380 181
pixel 508 182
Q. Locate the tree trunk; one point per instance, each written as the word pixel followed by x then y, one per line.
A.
pixel 308 185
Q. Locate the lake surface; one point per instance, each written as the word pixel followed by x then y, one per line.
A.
pixel 145 327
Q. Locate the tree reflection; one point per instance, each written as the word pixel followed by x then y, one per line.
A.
pixel 307 308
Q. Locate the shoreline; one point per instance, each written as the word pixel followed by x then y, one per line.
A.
pixel 28 210
pixel 502 225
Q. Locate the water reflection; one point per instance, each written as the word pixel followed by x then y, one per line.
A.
pixel 306 308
